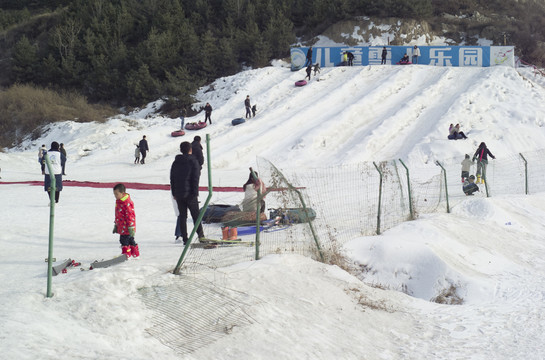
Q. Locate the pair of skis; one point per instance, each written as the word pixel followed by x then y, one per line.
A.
pixel 63 267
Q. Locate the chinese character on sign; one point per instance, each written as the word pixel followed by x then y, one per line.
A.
pixel 471 57
pixel 439 58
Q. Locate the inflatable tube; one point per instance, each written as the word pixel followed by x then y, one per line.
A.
pixel 177 133
pixel 195 126
pixel 301 83
pixel 214 213
pixel 238 121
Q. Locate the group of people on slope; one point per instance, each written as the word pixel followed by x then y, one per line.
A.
pixel 57 159
pixel 250 109
pixel 481 156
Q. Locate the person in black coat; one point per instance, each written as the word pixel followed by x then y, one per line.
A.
pixel 309 70
pixel 350 58
pixel 208 113
pixel 384 56
pixel 184 185
pixel 481 155
pixel 309 57
pixel 143 146
pixel 196 149
pixel 248 107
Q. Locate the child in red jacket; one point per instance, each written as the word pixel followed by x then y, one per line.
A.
pixel 125 221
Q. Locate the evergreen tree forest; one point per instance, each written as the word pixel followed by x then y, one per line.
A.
pixel 128 52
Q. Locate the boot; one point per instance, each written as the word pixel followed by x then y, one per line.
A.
pixel 126 250
pixel 478 179
pixel 233 233
pixel 225 233
pixel 134 251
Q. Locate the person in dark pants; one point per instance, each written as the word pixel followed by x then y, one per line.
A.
pixel 248 107
pixel 309 70
pixel 56 159
pixel 196 150
pixel 208 113
pixel 254 110
pixel 350 57
pixel 143 145
pixel 481 155
pixel 184 185
pixel 309 57
pixel 384 56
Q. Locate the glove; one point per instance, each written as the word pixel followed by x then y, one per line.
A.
pixel 132 231
pixel 114 231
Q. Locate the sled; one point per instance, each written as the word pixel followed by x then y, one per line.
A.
pixel 214 213
pixel 301 83
pixel 404 63
pixel 238 121
pixel 177 133
pixel 195 125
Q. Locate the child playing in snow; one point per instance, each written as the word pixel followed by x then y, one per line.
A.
pixel 466 165
pixel 469 186
pixel 137 154
pixel 125 221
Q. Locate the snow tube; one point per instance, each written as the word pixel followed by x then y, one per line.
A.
pixel 177 133
pixel 195 126
pixel 214 213
pixel 301 83
pixel 404 63
pixel 238 121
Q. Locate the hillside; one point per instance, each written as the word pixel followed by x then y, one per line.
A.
pixel 487 253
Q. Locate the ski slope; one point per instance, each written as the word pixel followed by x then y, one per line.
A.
pixel 490 249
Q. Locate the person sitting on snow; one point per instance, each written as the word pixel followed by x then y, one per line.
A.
pixel 404 59
pixel 469 186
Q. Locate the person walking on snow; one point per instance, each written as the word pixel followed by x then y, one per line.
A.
pixel 196 150
pixel 308 61
pixel 41 160
pixel 254 110
pixel 125 221
pixel 184 185
pixel 350 58
pixel 466 166
pixel 309 70
pixel 481 155
pixel 63 159
pixel 137 154
pixel 208 113
pixel 248 107
pixel 143 145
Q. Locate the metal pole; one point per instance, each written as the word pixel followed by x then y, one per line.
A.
pixel 379 198
pixel 525 173
pixel 258 215
pixel 408 189
pixel 201 214
pixel 52 190
pixel 484 165
pixel 446 189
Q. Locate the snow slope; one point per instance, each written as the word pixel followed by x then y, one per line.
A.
pixel 491 250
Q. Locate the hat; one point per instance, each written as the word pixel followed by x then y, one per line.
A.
pixel 472 177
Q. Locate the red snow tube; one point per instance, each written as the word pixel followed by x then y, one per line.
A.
pixel 301 83
pixel 177 133
pixel 195 126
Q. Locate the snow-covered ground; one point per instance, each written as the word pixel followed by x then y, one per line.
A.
pixel 490 249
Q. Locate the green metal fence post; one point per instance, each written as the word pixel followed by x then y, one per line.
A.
pixel 379 198
pixel 525 173
pixel 52 190
pixel 258 215
pixel 446 187
pixel 201 214
pixel 408 190
pixel 485 180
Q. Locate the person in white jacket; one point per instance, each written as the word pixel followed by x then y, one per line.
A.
pixel 416 54
pixel 56 158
